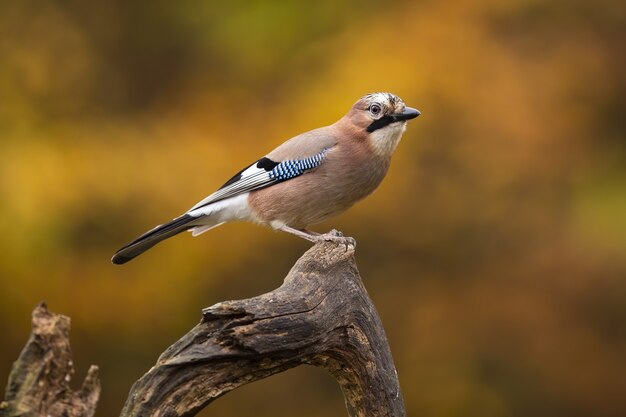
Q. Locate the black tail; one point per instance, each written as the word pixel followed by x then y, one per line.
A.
pixel 151 238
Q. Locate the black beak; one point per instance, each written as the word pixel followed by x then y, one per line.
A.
pixel 407 114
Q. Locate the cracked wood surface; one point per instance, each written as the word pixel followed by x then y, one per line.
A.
pixel 321 315
pixel 39 381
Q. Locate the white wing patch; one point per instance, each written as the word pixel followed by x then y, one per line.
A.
pixel 250 179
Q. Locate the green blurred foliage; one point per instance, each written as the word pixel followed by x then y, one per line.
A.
pixel 495 249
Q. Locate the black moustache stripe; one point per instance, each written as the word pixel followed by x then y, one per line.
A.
pixel 380 123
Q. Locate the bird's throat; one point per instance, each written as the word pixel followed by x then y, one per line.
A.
pixel 384 141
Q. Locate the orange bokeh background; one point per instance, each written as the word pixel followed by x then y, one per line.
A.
pixel 495 249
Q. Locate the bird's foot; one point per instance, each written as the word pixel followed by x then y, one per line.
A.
pixel 333 236
pixel 337 237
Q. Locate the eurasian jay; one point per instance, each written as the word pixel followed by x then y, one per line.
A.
pixel 307 179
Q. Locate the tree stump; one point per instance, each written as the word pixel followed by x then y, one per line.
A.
pixel 321 316
pixel 39 380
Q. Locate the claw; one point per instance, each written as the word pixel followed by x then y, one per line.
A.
pixel 338 237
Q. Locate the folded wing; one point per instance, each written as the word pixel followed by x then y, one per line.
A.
pixel 261 174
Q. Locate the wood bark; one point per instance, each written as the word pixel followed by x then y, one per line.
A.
pixel 321 315
pixel 39 383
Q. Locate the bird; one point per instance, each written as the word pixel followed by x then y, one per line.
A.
pixel 307 179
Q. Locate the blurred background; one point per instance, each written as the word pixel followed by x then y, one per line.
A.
pixel 495 250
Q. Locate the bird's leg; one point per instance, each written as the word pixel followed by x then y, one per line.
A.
pixel 332 236
pixel 304 234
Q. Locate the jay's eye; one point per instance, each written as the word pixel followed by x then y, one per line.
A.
pixel 375 110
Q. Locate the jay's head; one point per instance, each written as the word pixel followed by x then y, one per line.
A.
pixel 382 117
pixel 380 110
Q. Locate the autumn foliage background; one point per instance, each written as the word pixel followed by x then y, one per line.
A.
pixel 495 249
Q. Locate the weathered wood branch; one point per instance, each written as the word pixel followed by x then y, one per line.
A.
pixel 39 380
pixel 321 315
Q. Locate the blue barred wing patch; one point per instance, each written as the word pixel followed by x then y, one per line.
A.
pixel 292 168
